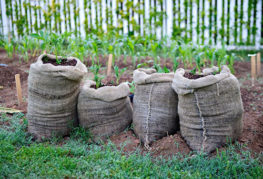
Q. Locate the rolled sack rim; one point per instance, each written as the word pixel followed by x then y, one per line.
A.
pixel 79 70
pixel 105 93
pixel 146 76
pixel 183 85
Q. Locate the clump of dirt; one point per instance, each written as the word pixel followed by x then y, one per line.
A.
pixel 7 76
pixel 127 141
pixel 167 146
pixel 252 134
pixel 192 76
pixel 252 98
pixel 59 62
pixel 246 98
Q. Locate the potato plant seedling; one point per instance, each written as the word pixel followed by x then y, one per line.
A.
pixel 95 68
pixel 118 73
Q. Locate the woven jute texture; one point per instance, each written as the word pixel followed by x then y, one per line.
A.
pixel 104 111
pixel 155 105
pixel 210 109
pixel 52 97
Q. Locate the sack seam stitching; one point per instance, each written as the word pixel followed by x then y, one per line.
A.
pixel 148 118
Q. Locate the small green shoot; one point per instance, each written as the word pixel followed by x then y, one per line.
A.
pixel 159 69
pixel 118 73
pixel 193 71
pixel 175 64
pixel 132 87
pixel 95 68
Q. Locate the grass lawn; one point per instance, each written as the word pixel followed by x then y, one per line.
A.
pixel 21 157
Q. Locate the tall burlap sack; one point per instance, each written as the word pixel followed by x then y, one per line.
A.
pixel 52 97
pixel 154 105
pixel 210 109
pixel 104 111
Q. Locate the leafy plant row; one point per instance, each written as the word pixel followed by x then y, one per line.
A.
pixel 99 16
pixel 141 51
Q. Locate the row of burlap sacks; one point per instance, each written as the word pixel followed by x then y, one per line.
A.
pixel 208 111
pixel 210 108
pixel 57 103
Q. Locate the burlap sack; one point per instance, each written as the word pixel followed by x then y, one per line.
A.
pixel 104 111
pixel 210 109
pixel 52 97
pixel 154 106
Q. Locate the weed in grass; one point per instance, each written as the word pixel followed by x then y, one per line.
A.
pixel 80 134
pixel 15 132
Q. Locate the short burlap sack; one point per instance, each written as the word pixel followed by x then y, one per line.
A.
pixel 210 109
pixel 104 111
pixel 154 106
pixel 52 97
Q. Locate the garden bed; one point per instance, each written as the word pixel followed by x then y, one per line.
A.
pixel 252 98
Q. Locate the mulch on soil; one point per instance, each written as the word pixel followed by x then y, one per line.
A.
pixel 167 146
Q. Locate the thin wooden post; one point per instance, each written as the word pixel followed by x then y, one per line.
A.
pixel 253 68
pixel 258 64
pixel 109 65
pixel 18 88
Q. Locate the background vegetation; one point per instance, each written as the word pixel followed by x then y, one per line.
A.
pixel 200 18
pixel 141 51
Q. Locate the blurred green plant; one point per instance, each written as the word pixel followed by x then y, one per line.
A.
pixel 95 68
pixel 118 73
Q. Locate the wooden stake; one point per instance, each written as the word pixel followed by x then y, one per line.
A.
pixel 18 89
pixel 258 64
pixel 109 65
pixel 253 69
